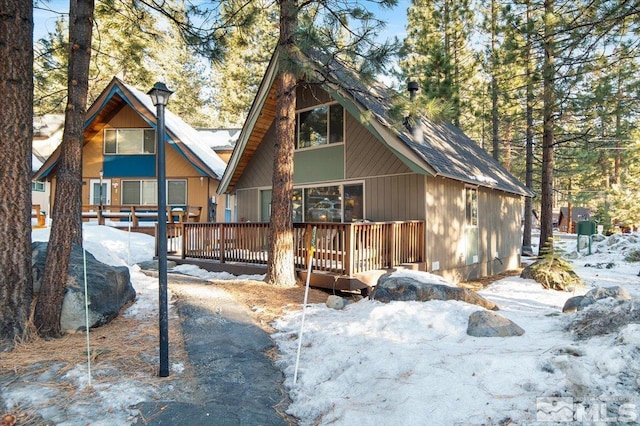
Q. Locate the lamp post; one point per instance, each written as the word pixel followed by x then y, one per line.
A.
pixel 160 96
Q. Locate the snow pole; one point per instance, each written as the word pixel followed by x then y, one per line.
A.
pixel 312 247
pixel 86 312
pixel 129 247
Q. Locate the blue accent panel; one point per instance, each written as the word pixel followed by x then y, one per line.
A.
pixel 116 166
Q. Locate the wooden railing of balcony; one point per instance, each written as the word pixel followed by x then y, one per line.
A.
pixel 135 214
pixel 341 248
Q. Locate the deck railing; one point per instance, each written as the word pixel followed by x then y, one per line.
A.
pixel 341 248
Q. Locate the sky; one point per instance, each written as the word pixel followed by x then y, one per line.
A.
pixel 47 12
pixel 408 363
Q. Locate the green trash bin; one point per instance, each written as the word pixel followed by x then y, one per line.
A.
pixel 588 228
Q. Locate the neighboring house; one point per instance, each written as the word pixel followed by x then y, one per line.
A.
pixel 119 158
pixel 222 142
pixel 353 162
pixel 578 214
pixel 47 135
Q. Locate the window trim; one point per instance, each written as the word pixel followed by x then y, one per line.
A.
pixel 140 181
pixel 328 105
pixel 470 214
pixel 341 184
pixel 117 129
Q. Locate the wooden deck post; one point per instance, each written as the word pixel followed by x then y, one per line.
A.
pixel 222 242
pixel 392 250
pixel 348 249
pixel 183 230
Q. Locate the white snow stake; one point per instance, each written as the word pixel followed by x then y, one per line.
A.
pixel 312 247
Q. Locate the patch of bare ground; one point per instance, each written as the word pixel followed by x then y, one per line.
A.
pixel 267 302
pixel 481 283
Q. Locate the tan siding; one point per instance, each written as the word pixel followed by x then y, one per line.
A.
pixel 500 228
pixel 366 156
pixel 394 198
pixel 259 171
pixel 445 223
pixel 127 117
pixel 498 224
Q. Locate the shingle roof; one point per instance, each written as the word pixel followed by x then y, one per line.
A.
pixel 443 146
pixel 442 150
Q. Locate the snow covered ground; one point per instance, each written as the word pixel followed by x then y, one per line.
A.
pixel 412 363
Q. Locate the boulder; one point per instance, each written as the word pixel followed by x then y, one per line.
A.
pixel 109 288
pixel 605 317
pixel 335 302
pixel 490 324
pixel 578 303
pixel 405 288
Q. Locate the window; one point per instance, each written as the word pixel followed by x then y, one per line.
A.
pixel 338 203
pixel 471 203
pixel 129 141
pixel 37 186
pixel 320 126
pixel 145 192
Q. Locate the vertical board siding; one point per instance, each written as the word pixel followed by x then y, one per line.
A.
pixel 259 171
pixel 394 198
pixel 366 156
pixel 445 222
pixel 247 200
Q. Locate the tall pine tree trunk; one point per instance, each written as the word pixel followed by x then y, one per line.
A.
pixel 280 266
pixel 548 75
pixel 528 179
pixel 16 136
pixel 67 209
pixel 495 119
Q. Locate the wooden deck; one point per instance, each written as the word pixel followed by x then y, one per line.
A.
pixel 347 256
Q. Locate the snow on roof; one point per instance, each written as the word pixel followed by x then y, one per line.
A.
pixel 187 135
pixel 220 138
pixel 35 163
pixel 47 124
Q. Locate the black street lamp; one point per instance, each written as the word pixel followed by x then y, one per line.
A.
pixel 160 96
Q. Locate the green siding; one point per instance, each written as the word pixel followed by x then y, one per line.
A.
pixel 319 165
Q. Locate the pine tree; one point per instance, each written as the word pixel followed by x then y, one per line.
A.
pixel 66 229
pixel 16 134
pixel 435 52
pixel 134 44
pixel 236 79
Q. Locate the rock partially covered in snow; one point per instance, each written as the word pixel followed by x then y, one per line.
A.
pixel 109 288
pixel 490 324
pixel 606 316
pixel 578 303
pixel 400 287
pixel 335 302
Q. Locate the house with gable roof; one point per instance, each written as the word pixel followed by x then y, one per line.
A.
pixel 353 164
pixel 119 161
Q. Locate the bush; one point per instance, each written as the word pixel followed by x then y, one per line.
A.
pixel 553 273
pixel 633 256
